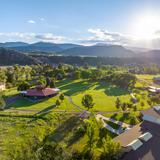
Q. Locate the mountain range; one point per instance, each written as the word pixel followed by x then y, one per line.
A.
pixel 38 47
pixel 69 49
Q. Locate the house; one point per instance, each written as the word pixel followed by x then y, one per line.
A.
pixel 2 86
pixel 153 89
pixel 142 142
pixel 40 92
pixel 156 80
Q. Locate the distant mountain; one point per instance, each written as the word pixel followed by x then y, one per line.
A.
pixel 38 47
pixel 137 49
pixel 13 44
pixel 68 45
pixel 11 57
pixel 99 50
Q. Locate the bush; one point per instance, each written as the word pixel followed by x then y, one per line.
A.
pixel 23 86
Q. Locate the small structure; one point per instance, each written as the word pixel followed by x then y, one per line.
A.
pixel 40 92
pixel 2 86
pixel 152 115
pixel 153 89
pixel 156 80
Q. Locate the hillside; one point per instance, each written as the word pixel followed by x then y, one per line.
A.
pixel 106 51
pixel 11 57
pixel 38 47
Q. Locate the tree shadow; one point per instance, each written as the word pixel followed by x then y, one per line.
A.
pixel 63 130
pixel 125 116
pixel 25 102
pixel 76 87
pixel 46 110
pixel 110 89
pixel 114 116
pixel 77 135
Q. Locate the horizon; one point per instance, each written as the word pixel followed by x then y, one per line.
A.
pixel 126 23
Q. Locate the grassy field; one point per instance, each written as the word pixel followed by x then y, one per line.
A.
pixel 128 118
pixel 103 93
pixel 147 77
pixel 20 119
pixel 44 105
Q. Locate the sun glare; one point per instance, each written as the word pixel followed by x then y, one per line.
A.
pixel 145 26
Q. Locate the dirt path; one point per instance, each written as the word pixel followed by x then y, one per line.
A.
pixel 71 101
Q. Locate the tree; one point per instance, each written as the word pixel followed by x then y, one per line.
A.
pixel 2 103
pixel 23 86
pixel 124 107
pixel 61 97
pixel 91 138
pixel 2 76
pixel 87 101
pixel 118 103
pixel 52 83
pixel 134 108
pixel 42 81
pixel 110 149
pixel 52 151
pixel 58 103
pixel 142 104
pixel 77 74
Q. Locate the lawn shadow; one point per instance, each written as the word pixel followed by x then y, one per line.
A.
pixel 46 110
pixel 64 129
pixel 25 102
pixel 77 135
pixel 110 89
pixel 76 87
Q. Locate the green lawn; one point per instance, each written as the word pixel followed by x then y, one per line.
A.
pixel 128 118
pixel 104 95
pixel 43 105
pixel 10 92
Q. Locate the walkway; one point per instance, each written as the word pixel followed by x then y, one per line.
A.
pixel 118 131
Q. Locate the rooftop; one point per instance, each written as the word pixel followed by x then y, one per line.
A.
pixel 153 111
pixel 40 91
pixel 147 133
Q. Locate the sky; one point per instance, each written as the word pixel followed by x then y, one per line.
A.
pixel 124 22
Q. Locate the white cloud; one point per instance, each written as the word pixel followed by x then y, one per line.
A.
pixel 104 36
pixel 31 21
pixel 31 37
pixel 50 37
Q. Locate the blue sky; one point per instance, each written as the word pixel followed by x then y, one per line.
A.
pixel 71 20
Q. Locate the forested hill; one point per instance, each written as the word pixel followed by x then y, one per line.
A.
pixel 11 57
pixel 105 51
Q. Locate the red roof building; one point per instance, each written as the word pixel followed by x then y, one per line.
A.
pixel 41 91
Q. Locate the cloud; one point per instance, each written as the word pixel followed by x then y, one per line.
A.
pixel 104 36
pixel 50 37
pixel 31 37
pixel 31 21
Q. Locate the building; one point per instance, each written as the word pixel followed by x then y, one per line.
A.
pixel 2 86
pixel 156 80
pixel 142 142
pixel 40 92
pixel 153 89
